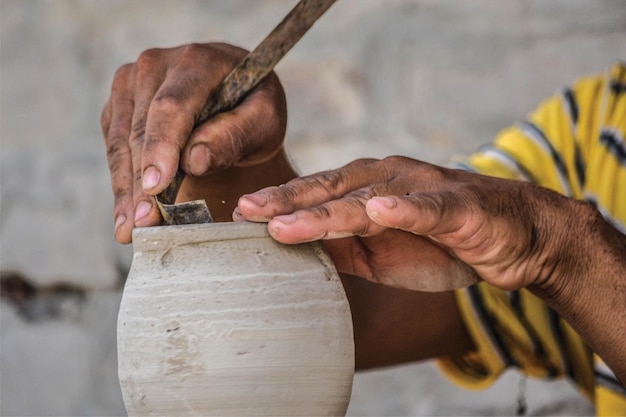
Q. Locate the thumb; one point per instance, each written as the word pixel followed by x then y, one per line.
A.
pixel 429 213
pixel 249 134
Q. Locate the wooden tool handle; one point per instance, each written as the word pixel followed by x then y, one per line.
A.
pixel 251 71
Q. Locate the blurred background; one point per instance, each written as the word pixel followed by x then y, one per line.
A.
pixel 429 79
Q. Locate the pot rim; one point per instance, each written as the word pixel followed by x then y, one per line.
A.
pixel 164 237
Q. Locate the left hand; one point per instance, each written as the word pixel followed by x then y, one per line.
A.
pixel 149 128
pixel 413 225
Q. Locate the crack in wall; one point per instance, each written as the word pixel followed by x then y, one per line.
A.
pixel 36 303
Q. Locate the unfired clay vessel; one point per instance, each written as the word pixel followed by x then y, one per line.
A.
pixel 219 319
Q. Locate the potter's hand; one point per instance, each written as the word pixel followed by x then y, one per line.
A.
pixel 148 126
pixel 405 222
pixel 332 206
pixel 409 223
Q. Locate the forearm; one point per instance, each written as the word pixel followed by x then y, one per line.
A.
pixel 588 287
pixel 394 326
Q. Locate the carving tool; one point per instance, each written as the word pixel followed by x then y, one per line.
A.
pixel 241 80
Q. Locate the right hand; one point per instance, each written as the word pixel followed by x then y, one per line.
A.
pixel 148 124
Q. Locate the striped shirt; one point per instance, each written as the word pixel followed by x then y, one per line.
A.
pixel 573 143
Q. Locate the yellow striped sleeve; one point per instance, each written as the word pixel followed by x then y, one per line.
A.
pixel 610 393
pixel 516 329
pixel 541 149
pixel 606 150
pixel 574 143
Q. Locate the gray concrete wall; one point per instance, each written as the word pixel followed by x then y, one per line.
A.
pixel 423 78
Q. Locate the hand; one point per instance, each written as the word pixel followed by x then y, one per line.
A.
pixel 413 225
pixel 408 224
pixel 148 126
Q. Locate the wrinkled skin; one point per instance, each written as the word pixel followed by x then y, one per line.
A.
pixel 407 220
pixel 398 222
pixel 148 121
pixel 405 223
pixel 148 126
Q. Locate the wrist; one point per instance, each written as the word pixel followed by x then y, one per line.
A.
pixel 569 233
pixel 587 256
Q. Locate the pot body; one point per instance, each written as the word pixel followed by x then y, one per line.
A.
pixel 219 319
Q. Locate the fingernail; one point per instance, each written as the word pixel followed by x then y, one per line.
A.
pixel 387 202
pixel 237 216
pixel 142 210
pixel 199 159
pixel 119 220
pixel 258 199
pixel 286 219
pixel 150 178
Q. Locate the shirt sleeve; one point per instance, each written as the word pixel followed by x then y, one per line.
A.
pixel 555 147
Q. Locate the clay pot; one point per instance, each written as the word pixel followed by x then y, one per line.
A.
pixel 219 319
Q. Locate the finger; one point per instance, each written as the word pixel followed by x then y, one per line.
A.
pixel 332 220
pixel 237 216
pixel 430 213
pixel 146 212
pixel 249 134
pixel 173 111
pixel 149 70
pixel 310 191
pixel 116 124
pixel 105 119
pixel 441 216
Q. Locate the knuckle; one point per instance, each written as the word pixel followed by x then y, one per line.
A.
pixel 122 74
pixel 105 118
pixel 393 165
pixel 398 160
pixel 373 168
pixel 362 163
pixel 401 166
pixel 196 55
pixel 364 194
pixel 117 155
pixel 431 172
pixel 121 81
pixel 121 194
pixel 169 101
pixel 355 203
pixel 321 212
pixel 118 132
pixel 193 49
pixel 117 151
pixel 234 53
pixel 148 58
pixel 329 181
pixel 138 132
pixel 288 192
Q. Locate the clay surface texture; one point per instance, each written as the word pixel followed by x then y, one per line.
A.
pixel 219 319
